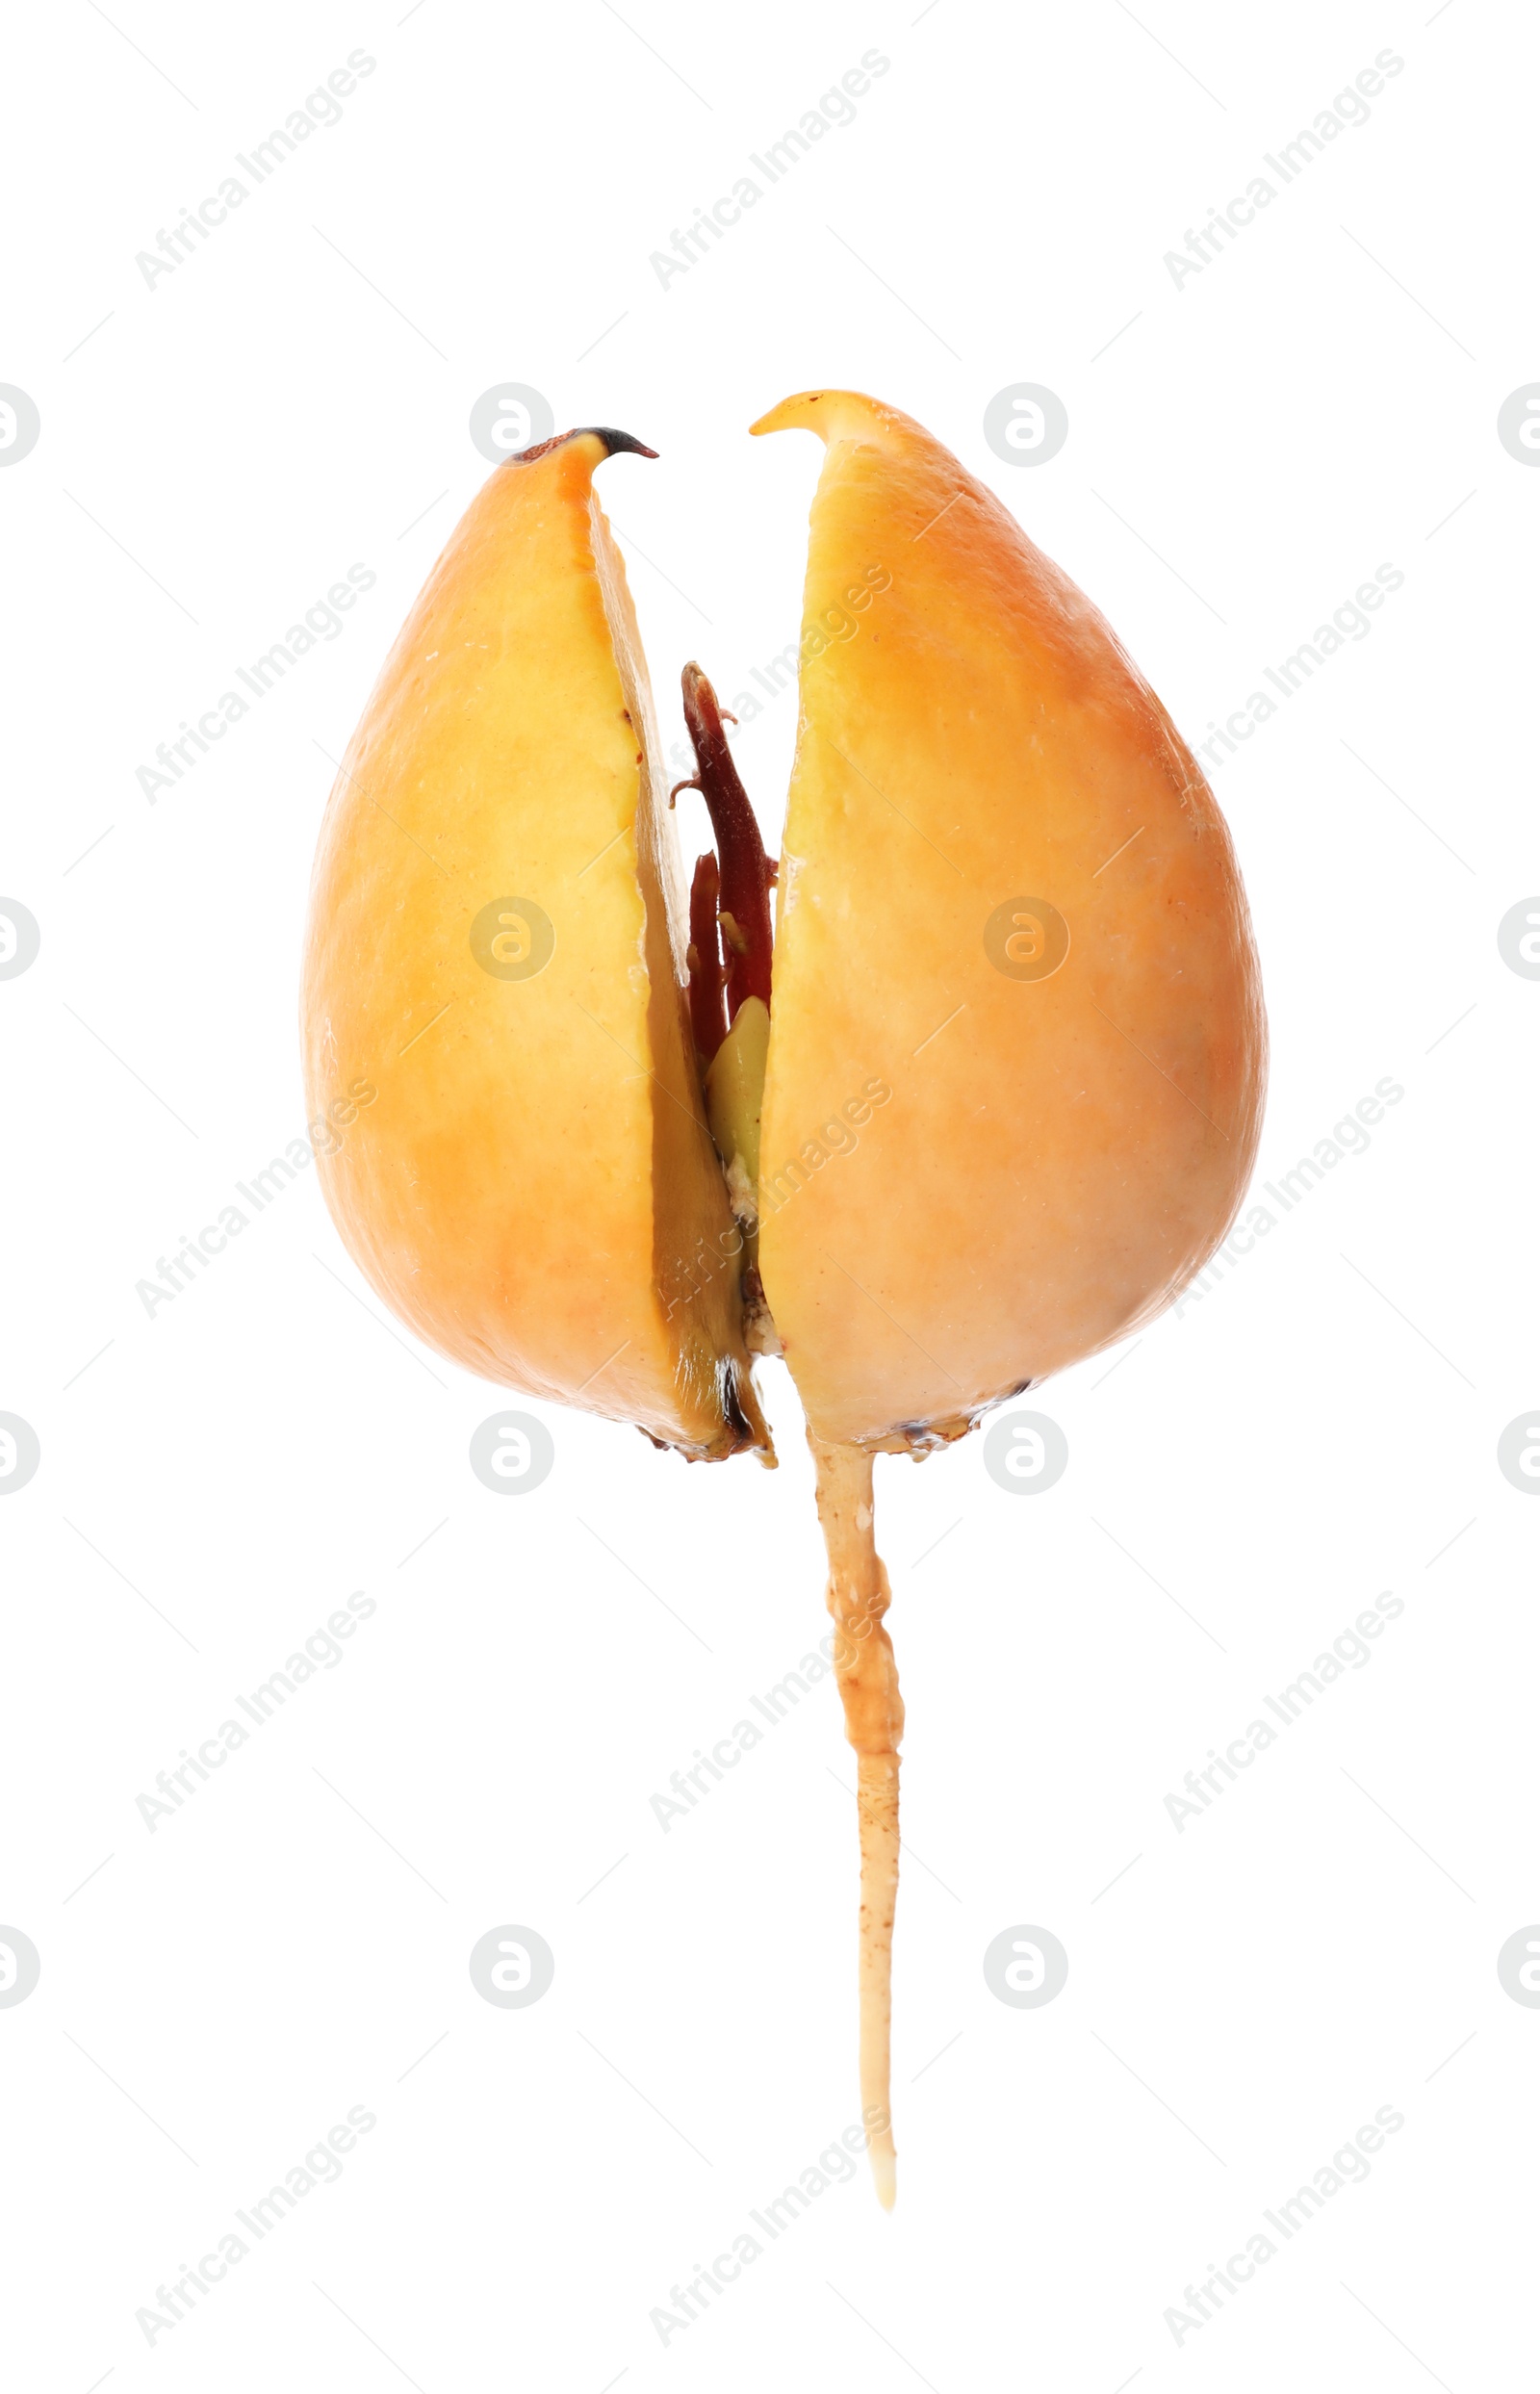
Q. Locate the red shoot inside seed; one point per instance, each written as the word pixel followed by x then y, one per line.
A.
pixel 708 1012
pixel 745 872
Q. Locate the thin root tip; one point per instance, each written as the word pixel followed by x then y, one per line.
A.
pixel 884 2176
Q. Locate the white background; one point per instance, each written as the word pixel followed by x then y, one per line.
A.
pixel 1322 1425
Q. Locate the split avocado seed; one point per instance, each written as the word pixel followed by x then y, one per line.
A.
pixel 988 1103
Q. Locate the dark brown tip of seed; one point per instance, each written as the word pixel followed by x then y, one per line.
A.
pixel 614 439
pixel 606 432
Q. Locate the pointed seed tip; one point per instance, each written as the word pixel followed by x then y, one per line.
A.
pixel 614 441
pixel 787 416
